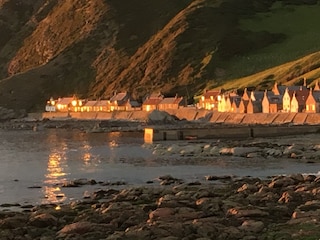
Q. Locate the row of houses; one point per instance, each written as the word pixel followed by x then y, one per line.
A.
pixel 119 102
pixel 278 99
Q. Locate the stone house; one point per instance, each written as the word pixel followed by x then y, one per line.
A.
pixel 254 106
pixel 271 103
pixel 286 101
pixel 313 102
pixel 209 100
pixel 171 103
pixel 225 105
pixel 252 101
pixel 295 100
pixel 68 104
pixel 88 106
pixel 133 105
pixel 243 106
pixel 101 106
pixel 119 101
pixel 294 105
pixel 301 97
pixel 246 95
pixel 280 90
pixel 151 102
pixel 235 102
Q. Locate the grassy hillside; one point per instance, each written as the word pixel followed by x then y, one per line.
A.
pixel 291 73
pixel 299 50
pixel 301 37
pixel 94 48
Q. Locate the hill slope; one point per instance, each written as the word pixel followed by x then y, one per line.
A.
pixel 94 48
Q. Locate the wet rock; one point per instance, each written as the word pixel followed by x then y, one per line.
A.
pixel 245 208
pixel 174 149
pixel 252 226
pixel 77 228
pixel 43 220
pixel 8 205
pixel 293 149
pixel 13 222
pixel 248 188
pixel 309 178
pixel 191 150
pixel 214 178
pixel 243 212
pixel 273 152
pixel 281 181
pixel 168 180
pixel 313 205
pixel 214 151
pixel 161 117
pixel 161 213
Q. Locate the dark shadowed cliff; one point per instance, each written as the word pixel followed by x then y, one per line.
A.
pixel 94 48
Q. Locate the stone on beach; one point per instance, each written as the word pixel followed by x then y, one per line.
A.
pixel 240 208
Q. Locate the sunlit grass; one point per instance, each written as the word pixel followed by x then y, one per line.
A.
pixel 296 22
pixel 302 38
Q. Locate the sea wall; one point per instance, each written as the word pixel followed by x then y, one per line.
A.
pixel 193 114
pixel 227 132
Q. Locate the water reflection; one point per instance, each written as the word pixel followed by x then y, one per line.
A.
pixel 56 172
pixel 90 160
pixel 86 157
pixel 113 144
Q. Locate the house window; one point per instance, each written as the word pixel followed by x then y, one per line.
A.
pixel 313 107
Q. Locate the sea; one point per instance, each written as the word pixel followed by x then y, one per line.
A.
pixel 35 164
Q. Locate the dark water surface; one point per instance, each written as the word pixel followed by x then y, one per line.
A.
pixel 34 164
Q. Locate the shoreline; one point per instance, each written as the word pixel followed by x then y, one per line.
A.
pixel 162 131
pixel 282 207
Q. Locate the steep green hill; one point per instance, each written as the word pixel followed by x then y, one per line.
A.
pixel 94 48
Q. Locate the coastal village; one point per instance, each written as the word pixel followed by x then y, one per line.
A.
pixel 288 99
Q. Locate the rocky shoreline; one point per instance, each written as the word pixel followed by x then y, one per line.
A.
pixel 223 207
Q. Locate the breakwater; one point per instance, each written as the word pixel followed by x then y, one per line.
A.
pixel 223 131
pixel 193 114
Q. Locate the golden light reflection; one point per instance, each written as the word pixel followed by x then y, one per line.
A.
pixel 86 157
pixel 55 175
pixel 114 139
pixel 113 144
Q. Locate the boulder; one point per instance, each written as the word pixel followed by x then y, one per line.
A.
pixel 252 226
pixel 243 212
pixel 160 117
pixel 43 220
pixel 191 150
pixel 163 213
pixel 75 228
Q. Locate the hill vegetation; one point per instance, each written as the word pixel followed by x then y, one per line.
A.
pixel 94 48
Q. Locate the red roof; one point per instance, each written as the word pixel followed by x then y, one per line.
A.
pixel 119 97
pixel 102 103
pixel 173 100
pixel 211 93
pixel 65 101
pixel 152 101
pixel 90 103
pixel 301 95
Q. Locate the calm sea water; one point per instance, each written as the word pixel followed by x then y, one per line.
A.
pixel 33 164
